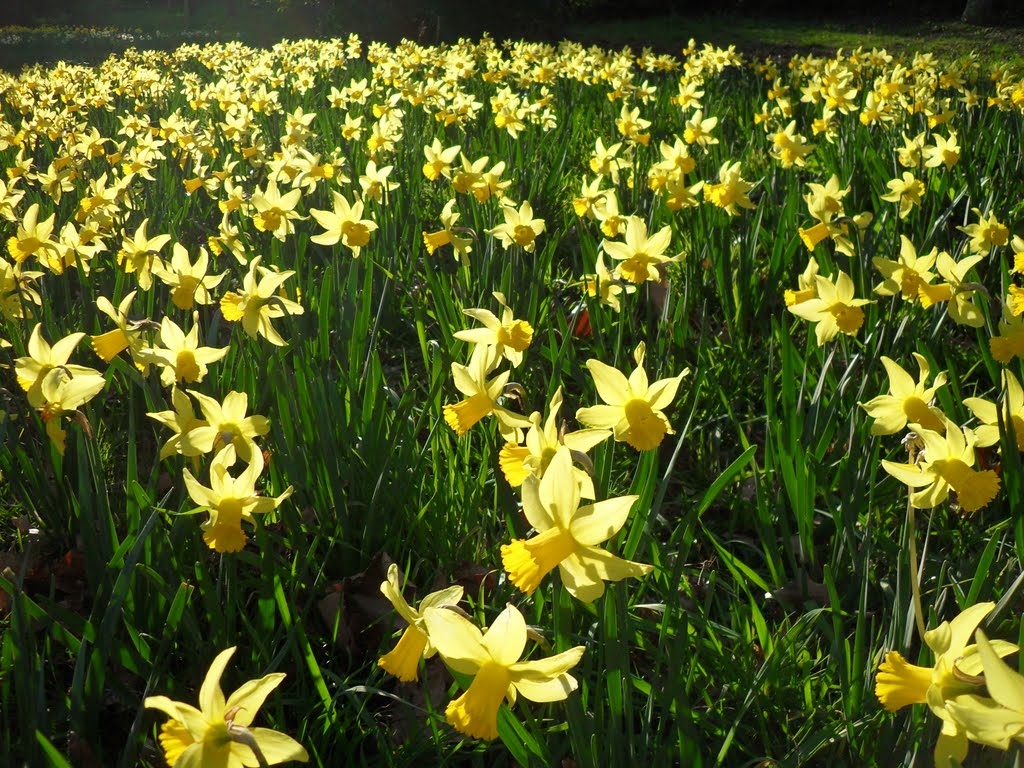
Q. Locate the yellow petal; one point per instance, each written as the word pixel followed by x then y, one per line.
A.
pixel 899 683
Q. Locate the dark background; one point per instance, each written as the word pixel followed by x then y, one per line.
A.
pixel 434 20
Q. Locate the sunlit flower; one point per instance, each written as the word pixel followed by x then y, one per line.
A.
pixel 492 658
pixel 219 732
pixel 344 223
pixel 226 424
pixel 907 401
pixel 905 276
pixel 834 309
pixel 730 191
pixel 509 337
pixel 1011 410
pixel 481 395
pixel 520 228
pixel 231 500
pixel 260 302
pixel 900 683
pixel 908 191
pixel 633 408
pixel 404 659
pixel 518 462
pixel 640 256
pixel 568 535
pixel 947 465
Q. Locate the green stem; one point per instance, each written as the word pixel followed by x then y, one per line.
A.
pixel 915 582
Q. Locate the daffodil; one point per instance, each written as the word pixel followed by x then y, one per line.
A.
pixel 403 661
pixel 906 275
pixel 275 212
pixel 900 683
pixel 492 658
pixel 231 500
pixel 42 358
pixel 180 356
pixel 482 395
pixel 60 394
pixel 449 234
pixel 996 721
pixel 988 413
pixel 127 335
pixel 640 256
pixel 509 337
pixel 219 732
pixel 955 289
pixel 520 228
pixel 568 535
pixel 439 160
pixel 731 190
pixel 141 254
pixel 260 302
pixel 633 408
pixel 947 465
pixel 226 423
pixel 32 236
pixel 907 191
pixel 190 284
pixel 181 420
pixel 344 223
pixel 605 286
pixel 1009 340
pixel 542 442
pixel 834 309
pixel 17 289
pixel 807 286
pixel 986 234
pixel 906 401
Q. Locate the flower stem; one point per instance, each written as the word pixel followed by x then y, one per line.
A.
pixel 915 582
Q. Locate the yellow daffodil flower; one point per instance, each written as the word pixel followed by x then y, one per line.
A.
pixel 482 395
pixel 181 358
pixel 344 223
pixel 905 276
pixel 900 683
pixel 730 191
pixel 230 500
pixel 633 408
pixel 518 462
pixel 906 401
pixel 219 732
pixel 639 256
pixel 996 721
pixel 493 660
pixel 946 465
pixel 908 191
pixel 520 228
pixel 834 309
pixel 32 236
pixel 1012 411
pixel 226 423
pixel 181 421
pixel 568 535
pixel 955 290
pixel 189 283
pixel 260 303
pixel 987 234
pixel 807 286
pixel 404 660
pixel 449 235
pixel 141 254
pixel 61 394
pixel 42 358
pixel 275 212
pixel 127 335
pixel 509 337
